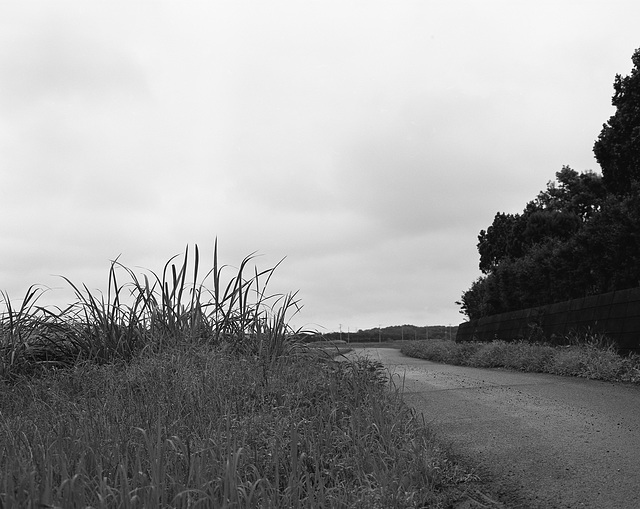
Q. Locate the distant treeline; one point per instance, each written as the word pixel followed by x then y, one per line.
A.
pixel 580 236
pixel 395 333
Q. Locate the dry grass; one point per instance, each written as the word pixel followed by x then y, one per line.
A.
pixel 584 357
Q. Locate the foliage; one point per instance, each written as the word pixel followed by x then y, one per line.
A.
pixel 617 149
pixel 477 301
pixel 501 241
pixel 198 426
pixel 150 312
pixel 586 357
pixel 556 214
pixel 579 237
pixel 164 392
pixel 539 256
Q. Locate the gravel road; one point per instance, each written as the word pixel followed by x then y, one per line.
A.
pixel 538 440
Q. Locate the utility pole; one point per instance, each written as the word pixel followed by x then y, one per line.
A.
pixel 340 332
pixel 379 333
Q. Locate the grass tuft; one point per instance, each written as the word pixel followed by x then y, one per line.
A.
pixel 149 311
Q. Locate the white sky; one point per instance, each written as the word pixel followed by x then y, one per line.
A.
pixel 368 142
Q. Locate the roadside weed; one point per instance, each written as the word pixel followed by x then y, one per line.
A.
pixel 190 389
pixel 590 358
pixel 200 427
pixel 150 311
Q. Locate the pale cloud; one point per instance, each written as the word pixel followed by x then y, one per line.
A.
pixel 366 142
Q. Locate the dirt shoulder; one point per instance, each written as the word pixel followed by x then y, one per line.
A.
pixel 538 440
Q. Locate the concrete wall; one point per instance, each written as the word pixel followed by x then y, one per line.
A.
pixel 616 314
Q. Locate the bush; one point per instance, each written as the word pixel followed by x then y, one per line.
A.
pixel 589 358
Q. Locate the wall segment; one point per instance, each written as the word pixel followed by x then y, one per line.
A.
pixel 615 314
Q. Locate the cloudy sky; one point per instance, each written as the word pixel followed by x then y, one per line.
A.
pixel 367 142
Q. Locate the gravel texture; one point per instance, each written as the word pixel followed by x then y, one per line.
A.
pixel 537 440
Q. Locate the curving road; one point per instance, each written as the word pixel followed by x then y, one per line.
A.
pixel 538 440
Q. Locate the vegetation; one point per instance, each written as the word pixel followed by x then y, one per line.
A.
pixel 394 333
pixel 579 237
pixel 163 393
pixel 593 358
pixel 149 312
pixel 617 149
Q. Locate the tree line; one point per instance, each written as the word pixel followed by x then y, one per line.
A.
pixel 580 236
pixel 394 333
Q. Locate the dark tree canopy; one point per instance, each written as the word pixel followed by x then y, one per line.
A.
pixel 617 149
pixel 557 213
pixel 577 193
pixel 580 236
pixel 572 240
pixel 500 241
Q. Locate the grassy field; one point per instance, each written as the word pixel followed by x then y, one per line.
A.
pixel 588 357
pixel 165 392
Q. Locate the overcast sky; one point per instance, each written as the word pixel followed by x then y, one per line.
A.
pixel 367 142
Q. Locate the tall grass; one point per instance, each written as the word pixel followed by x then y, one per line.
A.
pixel 32 337
pixel 189 391
pixel 149 311
pixel 194 426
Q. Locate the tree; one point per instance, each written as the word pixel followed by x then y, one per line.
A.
pixel 580 236
pixel 549 224
pixel 609 245
pixel 578 193
pixel 474 302
pixel 502 240
pixel 617 149
pixel 557 213
pixel 534 258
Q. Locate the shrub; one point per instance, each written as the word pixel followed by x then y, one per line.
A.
pixel 590 357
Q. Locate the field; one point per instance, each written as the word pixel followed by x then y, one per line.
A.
pixel 165 392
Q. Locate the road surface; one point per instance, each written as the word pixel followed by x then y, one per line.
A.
pixel 538 440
